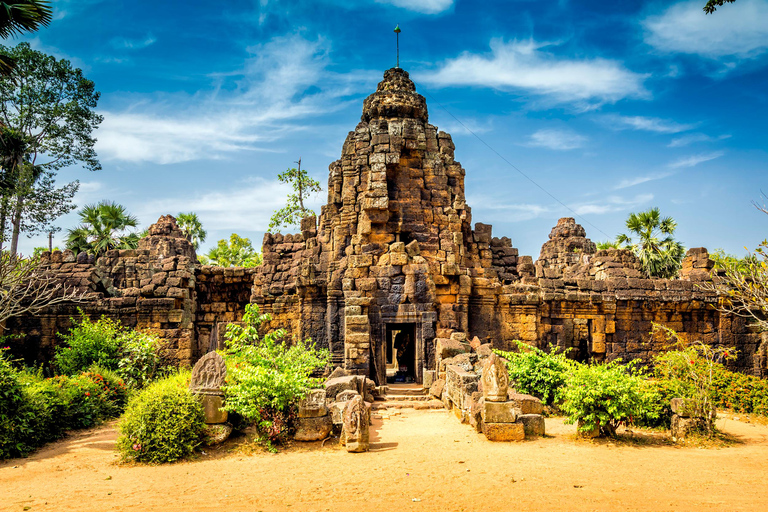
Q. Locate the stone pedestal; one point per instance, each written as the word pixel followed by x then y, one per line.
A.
pixel 212 404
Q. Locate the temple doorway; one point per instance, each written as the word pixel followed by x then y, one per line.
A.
pixel 401 352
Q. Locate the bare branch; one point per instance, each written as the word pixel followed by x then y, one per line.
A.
pixel 27 286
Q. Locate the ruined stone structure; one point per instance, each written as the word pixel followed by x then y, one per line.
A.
pixel 393 266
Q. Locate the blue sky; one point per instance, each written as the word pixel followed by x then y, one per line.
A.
pixel 611 107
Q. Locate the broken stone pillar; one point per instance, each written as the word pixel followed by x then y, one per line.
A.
pixel 314 421
pixel 356 425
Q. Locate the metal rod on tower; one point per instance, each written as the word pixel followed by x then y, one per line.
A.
pixel 397 31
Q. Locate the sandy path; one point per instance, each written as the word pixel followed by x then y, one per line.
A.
pixel 426 455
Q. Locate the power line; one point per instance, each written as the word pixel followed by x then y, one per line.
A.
pixel 512 165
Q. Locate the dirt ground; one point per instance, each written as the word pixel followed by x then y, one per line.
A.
pixel 419 460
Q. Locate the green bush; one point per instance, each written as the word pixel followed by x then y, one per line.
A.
pixel 740 392
pixel 133 355
pixel 164 422
pixel 140 360
pixel 604 396
pixel 656 411
pixel 89 343
pixel 541 374
pixel 267 377
pixel 35 410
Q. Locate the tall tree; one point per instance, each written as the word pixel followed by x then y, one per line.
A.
pixel 104 226
pixel 294 210
pixel 17 17
pixel 659 257
pixel 238 252
pixel 192 228
pixel 47 115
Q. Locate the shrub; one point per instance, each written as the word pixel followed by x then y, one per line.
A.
pixel 604 396
pixel 35 410
pixel 740 392
pixel 134 355
pixel 656 410
pixel 89 343
pixel 541 374
pixel 266 377
pixel 689 370
pixel 164 422
pixel 140 360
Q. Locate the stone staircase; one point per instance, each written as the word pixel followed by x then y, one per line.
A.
pixel 406 396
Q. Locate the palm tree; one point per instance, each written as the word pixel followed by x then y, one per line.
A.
pixel 17 17
pixel 192 228
pixel 103 227
pixel 658 257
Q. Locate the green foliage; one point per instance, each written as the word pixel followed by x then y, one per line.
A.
pixel 35 410
pixel 267 377
pixel 237 253
pixel 604 396
pixel 656 411
pixel 608 244
pixel 19 16
pixel 103 227
pixel 89 343
pixel 689 369
pixel 541 374
pixel 292 213
pixel 134 356
pixel 724 260
pixel 140 360
pixel 740 392
pixel 658 257
pixel 742 284
pixel 162 423
pixel 192 228
pixel 48 116
pixel 712 5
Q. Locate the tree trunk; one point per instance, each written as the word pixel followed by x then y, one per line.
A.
pixel 16 222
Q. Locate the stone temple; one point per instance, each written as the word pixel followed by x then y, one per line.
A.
pixel 393 266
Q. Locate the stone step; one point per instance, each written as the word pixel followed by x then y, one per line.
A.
pixel 408 404
pixel 402 398
pixel 405 389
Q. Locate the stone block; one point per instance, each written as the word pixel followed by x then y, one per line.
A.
pixel 498 412
pixel 446 348
pixel 217 434
pixel 533 424
pixel 313 429
pixel 428 377
pixel 212 408
pixel 526 403
pixel 504 431
pixel 681 427
pixel 436 389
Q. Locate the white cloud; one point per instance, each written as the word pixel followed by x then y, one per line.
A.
pixel 649 124
pixel 236 209
pixel 133 44
pixel 612 204
pixel 631 182
pixel 739 30
pixel 694 160
pixel 559 140
pixel 284 81
pixel 524 65
pixel 422 6
pixel 685 140
pixel 527 211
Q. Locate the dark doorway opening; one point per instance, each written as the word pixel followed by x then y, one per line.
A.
pixel 401 353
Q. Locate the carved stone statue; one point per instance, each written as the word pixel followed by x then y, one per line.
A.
pixel 209 374
pixel 495 379
pixel 356 425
